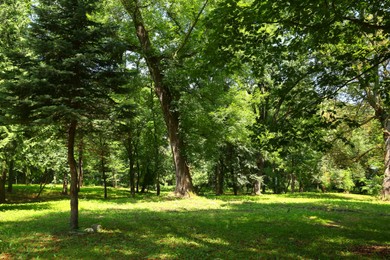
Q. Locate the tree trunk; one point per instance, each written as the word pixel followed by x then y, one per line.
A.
pixel 80 164
pixel 219 178
pixel 128 143
pixel 257 185
pixel 386 180
pixel 156 147
pixel 65 184
pixel 293 182
pixel 138 177
pixel 74 199
pixel 11 175
pixel 104 177
pixel 132 175
pixel 383 117
pixel 171 115
pixel 3 178
pixel 301 186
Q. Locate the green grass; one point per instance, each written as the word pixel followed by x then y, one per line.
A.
pixel 292 226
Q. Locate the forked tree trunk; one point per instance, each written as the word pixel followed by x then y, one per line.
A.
pixel 171 115
pixel 74 199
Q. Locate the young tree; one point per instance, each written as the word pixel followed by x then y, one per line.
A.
pixel 73 69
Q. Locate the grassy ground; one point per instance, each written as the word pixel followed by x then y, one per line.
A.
pixel 294 226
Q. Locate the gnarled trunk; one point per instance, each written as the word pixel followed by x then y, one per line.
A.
pixel 74 199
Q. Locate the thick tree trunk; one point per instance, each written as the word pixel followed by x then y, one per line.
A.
pixel 184 185
pixel 386 180
pixel 74 199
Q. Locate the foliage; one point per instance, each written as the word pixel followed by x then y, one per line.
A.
pixel 289 95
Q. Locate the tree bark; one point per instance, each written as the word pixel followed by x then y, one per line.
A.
pixel 74 200
pixel 171 115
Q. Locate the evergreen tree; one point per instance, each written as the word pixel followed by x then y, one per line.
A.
pixel 73 69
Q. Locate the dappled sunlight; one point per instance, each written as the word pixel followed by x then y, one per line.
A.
pixel 267 226
pixel 324 222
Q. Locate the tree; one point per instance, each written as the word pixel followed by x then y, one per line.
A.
pixel 345 45
pixel 165 50
pixel 73 69
pixel 349 43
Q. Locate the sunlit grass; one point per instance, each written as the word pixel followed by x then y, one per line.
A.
pixel 294 226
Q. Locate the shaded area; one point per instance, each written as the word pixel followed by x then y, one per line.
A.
pixel 234 230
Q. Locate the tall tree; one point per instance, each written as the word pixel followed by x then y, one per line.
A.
pixel 346 45
pixel 165 32
pixel 69 78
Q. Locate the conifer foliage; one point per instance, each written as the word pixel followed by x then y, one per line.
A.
pixel 73 67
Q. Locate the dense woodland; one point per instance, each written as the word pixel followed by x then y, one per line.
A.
pixel 218 96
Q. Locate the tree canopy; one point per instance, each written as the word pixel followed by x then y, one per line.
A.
pixel 205 96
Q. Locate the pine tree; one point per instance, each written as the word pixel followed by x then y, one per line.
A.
pixel 73 70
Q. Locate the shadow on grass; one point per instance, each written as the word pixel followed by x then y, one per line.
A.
pixel 247 230
pixel 25 206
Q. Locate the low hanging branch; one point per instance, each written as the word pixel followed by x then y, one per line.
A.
pixel 360 156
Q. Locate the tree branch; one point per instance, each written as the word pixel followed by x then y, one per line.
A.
pixel 186 38
pixel 367 25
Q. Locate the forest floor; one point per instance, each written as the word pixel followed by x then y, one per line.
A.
pixel 289 226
